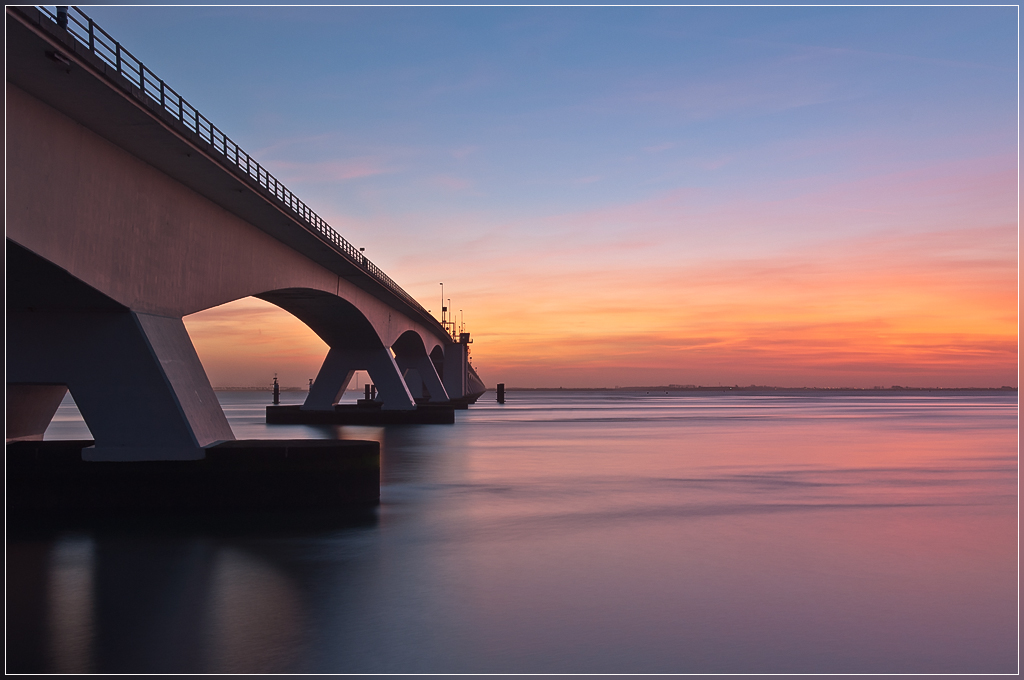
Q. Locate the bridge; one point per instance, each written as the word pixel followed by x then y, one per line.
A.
pixel 127 209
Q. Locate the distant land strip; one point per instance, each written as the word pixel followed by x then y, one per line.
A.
pixel 686 388
pixel 757 388
pixel 261 388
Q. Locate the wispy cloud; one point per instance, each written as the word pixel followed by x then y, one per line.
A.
pixel 758 89
pixel 330 171
pixel 449 182
pixel 658 148
pixel 464 152
pixel 820 51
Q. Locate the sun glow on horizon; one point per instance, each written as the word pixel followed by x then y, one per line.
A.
pixel 935 309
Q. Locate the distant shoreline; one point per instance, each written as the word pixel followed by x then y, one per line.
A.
pixel 755 388
pixel 687 388
pixel 260 389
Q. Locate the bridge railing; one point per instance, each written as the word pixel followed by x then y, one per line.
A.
pixel 84 30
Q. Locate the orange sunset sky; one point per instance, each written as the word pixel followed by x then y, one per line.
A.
pixel 932 307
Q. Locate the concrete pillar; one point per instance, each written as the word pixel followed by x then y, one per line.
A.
pixel 135 377
pixel 412 381
pixel 30 408
pixel 331 381
pixel 426 373
pixel 456 363
pixel 391 388
pixel 337 371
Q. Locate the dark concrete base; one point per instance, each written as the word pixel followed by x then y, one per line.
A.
pixel 268 475
pixel 362 414
pixel 462 403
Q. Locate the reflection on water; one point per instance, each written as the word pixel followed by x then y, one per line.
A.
pixel 575 532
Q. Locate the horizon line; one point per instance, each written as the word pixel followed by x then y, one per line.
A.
pixel 670 388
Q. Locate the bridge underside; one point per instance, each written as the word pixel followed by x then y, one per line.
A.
pixel 137 379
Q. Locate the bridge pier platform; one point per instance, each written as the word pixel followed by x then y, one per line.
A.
pixel 362 413
pixel 51 477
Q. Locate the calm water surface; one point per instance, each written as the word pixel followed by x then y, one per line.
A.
pixel 576 532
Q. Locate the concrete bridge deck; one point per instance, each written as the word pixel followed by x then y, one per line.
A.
pixel 127 210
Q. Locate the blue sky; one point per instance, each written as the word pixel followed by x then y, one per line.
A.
pixel 526 111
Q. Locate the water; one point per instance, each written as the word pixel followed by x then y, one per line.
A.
pixel 578 532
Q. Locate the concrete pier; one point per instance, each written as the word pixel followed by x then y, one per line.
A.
pixel 268 475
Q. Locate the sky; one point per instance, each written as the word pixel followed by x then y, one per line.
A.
pixel 614 196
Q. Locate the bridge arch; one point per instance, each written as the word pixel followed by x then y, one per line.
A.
pixel 137 379
pixel 357 343
pixel 419 371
